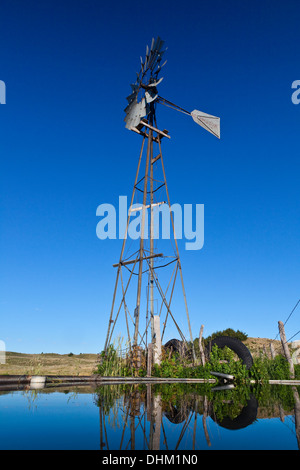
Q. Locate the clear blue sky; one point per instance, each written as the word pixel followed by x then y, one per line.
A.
pixel 64 150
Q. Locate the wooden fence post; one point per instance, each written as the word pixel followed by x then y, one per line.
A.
pixel 157 340
pixel 297 414
pixel 272 351
pixel 138 357
pixel 286 349
pixel 202 355
pixel 149 359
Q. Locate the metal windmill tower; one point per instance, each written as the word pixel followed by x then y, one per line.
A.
pixel 144 263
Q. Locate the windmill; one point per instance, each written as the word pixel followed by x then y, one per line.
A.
pixel 141 118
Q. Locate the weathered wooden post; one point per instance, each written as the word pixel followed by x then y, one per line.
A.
pixel 272 351
pixel 133 357
pixel 136 358
pixel 295 345
pixel 205 414
pixel 286 349
pixel 149 359
pixel 157 340
pixel 149 402
pixel 297 414
pixel 156 422
pixel 202 355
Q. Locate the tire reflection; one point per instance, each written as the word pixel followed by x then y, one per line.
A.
pixel 147 413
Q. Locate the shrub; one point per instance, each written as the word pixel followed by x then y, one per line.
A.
pixel 265 369
pixel 228 332
pixel 111 364
pixel 223 360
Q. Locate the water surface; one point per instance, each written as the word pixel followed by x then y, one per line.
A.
pixel 150 417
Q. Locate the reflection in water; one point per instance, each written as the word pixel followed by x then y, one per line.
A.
pixel 177 417
pixel 297 413
pixel 151 417
pixel 246 417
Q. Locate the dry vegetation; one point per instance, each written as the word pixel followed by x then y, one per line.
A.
pixel 259 346
pixel 48 364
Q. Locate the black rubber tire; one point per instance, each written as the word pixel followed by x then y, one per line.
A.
pixel 176 345
pixel 247 416
pixel 173 343
pixel 175 414
pixel 235 345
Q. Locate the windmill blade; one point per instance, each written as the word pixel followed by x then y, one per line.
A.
pixel 131 97
pixel 159 44
pixel 154 84
pixel 152 44
pixel 151 95
pixel 142 65
pixel 135 111
pixel 147 56
pixel 207 121
pixel 134 87
pixel 155 52
pixel 161 66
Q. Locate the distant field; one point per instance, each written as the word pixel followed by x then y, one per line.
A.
pixel 259 346
pixel 85 364
pixel 48 364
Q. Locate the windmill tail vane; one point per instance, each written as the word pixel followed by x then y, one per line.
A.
pixel 207 121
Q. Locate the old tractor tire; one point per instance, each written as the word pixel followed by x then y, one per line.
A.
pixel 176 414
pixel 236 346
pixel 247 416
pixel 176 346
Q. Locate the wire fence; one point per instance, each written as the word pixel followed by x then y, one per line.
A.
pixel 288 318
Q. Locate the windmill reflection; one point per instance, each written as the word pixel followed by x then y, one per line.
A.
pixel 172 417
pixel 149 421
